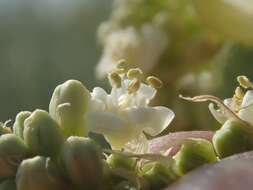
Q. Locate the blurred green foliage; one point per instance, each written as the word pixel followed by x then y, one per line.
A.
pixel 42 44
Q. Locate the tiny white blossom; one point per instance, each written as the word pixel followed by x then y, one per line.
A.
pixel 243 108
pixel 140 48
pixel 124 114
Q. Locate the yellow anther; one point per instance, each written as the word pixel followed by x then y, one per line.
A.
pixel 239 94
pixel 119 71
pixel 244 82
pixel 122 64
pixel 134 86
pixel 114 79
pixel 154 82
pixel 134 73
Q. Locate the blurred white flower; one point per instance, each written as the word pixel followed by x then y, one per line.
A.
pixel 123 115
pixel 242 107
pixel 140 48
pixel 240 104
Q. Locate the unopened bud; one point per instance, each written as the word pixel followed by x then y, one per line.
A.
pixel 119 161
pixel 12 152
pixel 193 153
pixel 232 138
pixel 158 175
pixel 82 160
pixel 134 86
pixel 154 82
pixel 42 134
pixel 34 173
pixel 68 105
pixel 18 126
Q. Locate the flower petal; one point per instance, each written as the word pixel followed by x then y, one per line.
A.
pixel 247 99
pixel 246 112
pixel 99 93
pixel 217 114
pixel 146 92
pixel 153 119
pixel 115 129
pixel 104 123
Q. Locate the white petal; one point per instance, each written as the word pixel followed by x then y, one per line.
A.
pixel 218 115
pixel 146 93
pixel 99 93
pixel 104 123
pixel 247 99
pixel 96 105
pixel 246 112
pixel 160 119
pixel 153 119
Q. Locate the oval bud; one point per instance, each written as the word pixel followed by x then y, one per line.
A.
pixel 12 152
pixel 82 160
pixel 193 153
pixel 34 174
pixel 119 161
pixel 68 106
pixel 8 184
pixel 158 175
pixel 18 127
pixel 231 139
pixel 42 134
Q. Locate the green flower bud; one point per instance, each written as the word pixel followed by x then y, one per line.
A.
pixel 42 134
pixel 12 152
pixel 232 138
pixel 82 160
pixel 18 126
pixel 158 174
pixel 119 161
pixel 8 184
pixel 68 106
pixel 34 173
pixel 193 153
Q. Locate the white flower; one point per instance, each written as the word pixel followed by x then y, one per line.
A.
pixel 141 48
pixel 122 117
pixel 241 107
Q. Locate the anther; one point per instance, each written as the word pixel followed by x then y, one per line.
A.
pixel 134 73
pixel 114 79
pixel 244 82
pixel 154 82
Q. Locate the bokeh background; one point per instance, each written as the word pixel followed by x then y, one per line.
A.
pixel 42 44
pixel 45 42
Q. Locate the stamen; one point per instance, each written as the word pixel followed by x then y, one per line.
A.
pixel 134 86
pixel 134 73
pixel 239 94
pixel 244 82
pixel 122 64
pixel 154 82
pixel 114 79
